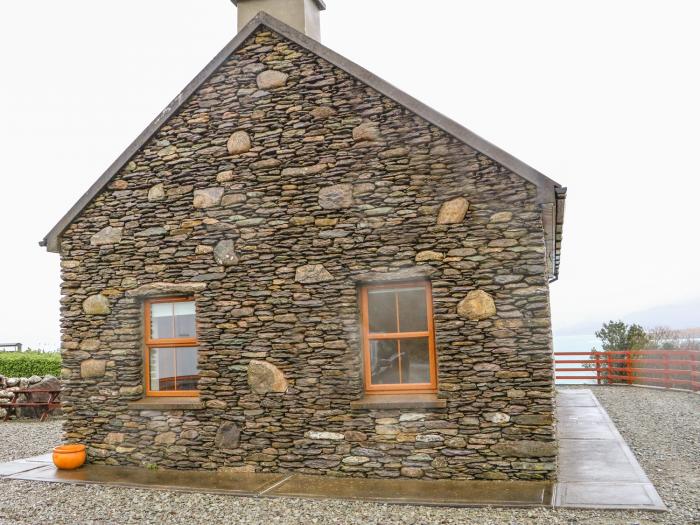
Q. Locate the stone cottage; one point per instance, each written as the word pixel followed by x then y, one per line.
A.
pixel 297 267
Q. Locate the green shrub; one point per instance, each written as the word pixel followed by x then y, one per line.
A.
pixel 26 364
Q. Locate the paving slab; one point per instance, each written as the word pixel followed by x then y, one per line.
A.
pixel 415 492
pixel 15 467
pixel 596 468
pixel 610 496
pixel 570 425
pixel 597 460
pixel 234 483
pixel 44 458
pixel 575 398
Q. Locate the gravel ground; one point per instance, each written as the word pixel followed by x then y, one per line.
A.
pixel 661 427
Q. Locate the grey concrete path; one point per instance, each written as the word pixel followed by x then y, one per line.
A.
pixel 596 470
pixel 596 467
pixel 412 492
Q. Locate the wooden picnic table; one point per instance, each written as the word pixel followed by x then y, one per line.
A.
pixel 47 405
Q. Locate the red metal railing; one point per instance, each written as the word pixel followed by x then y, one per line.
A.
pixel 666 368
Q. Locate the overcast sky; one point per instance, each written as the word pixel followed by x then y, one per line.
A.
pixel 602 96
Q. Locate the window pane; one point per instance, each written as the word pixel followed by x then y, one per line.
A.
pixel 415 360
pixel 162 369
pixel 173 320
pixel 162 321
pixel 384 362
pixel 413 310
pixel 187 370
pixel 381 309
pixel 173 369
pixel 184 319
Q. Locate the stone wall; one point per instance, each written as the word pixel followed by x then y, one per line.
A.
pixel 9 385
pixel 281 184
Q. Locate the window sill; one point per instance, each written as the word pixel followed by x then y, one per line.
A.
pixel 167 403
pixel 389 401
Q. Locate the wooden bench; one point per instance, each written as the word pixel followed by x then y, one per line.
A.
pixel 46 406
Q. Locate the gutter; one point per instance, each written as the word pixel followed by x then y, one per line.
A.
pixel 559 207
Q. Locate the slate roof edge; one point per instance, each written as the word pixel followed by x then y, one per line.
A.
pixel 546 193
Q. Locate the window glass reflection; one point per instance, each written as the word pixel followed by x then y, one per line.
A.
pixel 384 359
pixel 173 369
pixel 173 320
pixel 381 310
pixel 415 361
pixel 413 310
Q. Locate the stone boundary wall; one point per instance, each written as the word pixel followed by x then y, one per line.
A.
pixel 281 185
pixel 8 385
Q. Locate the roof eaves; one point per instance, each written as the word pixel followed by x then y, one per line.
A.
pixel 558 229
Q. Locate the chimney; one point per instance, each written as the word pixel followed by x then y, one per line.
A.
pixel 302 15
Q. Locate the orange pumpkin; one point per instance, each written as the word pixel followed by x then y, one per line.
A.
pixel 69 457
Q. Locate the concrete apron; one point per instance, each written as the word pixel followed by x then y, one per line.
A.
pixel 596 470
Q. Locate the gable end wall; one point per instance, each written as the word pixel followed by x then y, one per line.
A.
pixel 495 374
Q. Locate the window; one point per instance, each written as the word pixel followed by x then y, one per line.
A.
pixel 171 347
pixel 398 338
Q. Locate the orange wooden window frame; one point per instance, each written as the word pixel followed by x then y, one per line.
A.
pixel 164 343
pixel 367 337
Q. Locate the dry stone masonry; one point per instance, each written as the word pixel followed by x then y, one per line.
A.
pixel 280 186
pixel 9 385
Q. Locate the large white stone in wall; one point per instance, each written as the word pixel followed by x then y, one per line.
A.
pixel 208 197
pixel 96 305
pixel 271 79
pixel 92 368
pixel 327 436
pixel 264 377
pixel 477 305
pixel 156 192
pixel 312 273
pixel 238 143
pixel 369 131
pixel 335 197
pixel 225 253
pixel 107 235
pixel 454 211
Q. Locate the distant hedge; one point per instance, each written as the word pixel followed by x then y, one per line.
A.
pixel 26 364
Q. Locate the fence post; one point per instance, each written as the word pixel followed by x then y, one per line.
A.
pixel 609 366
pixel 667 379
pixel 628 365
pixel 596 356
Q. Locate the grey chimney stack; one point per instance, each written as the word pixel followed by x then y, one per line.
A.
pixel 302 15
